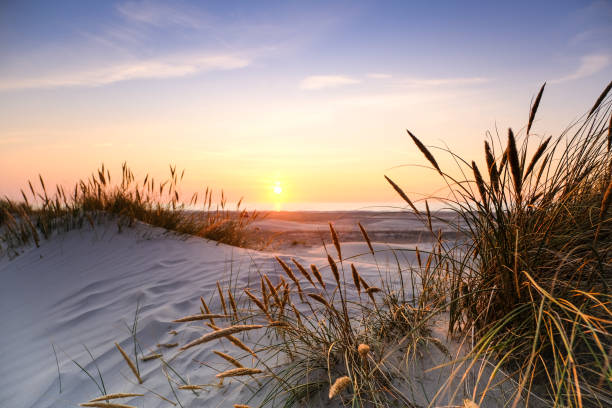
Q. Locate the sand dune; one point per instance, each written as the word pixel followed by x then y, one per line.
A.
pixel 83 287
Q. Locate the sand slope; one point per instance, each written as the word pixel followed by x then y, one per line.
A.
pixel 82 289
pixel 79 288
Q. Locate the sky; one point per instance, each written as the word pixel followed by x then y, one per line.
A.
pixel 312 97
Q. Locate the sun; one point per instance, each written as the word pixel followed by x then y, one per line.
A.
pixel 277 188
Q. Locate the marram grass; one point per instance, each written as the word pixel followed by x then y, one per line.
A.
pixel 42 213
pixel 531 285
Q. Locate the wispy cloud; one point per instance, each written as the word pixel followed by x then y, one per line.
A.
pixel 141 69
pixel 316 82
pixel 159 14
pixel 589 65
pixel 444 81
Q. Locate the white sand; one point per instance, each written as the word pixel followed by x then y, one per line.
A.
pixel 82 288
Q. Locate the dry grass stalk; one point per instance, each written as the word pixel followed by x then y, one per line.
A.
pixel 285 299
pixel 228 358
pixel 536 156
pixel 232 303
pixel 334 269
pixel 207 310
pixel 364 284
pixel 273 290
pixel 480 183
pixel 291 276
pixel 534 108
pixel 335 240
pixel 237 372
pixel 320 299
pixel 258 303
pixel 278 323
pixel 366 237
pixel 151 357
pixel 610 133
pixel 115 396
pixel 601 98
pixel 297 315
pixel 356 278
pixel 428 217
pixel 605 202
pixel 339 385
pixel 190 387
pixel 513 161
pixel 363 350
pixel 241 406
pixel 167 345
pixel 280 284
pixel 491 167
pixel 264 293
pixel 129 362
pixel 425 151
pixel 371 291
pixel 303 271
pixel 317 275
pixel 222 298
pixel 221 333
pixel 196 317
pixel 105 405
pixel 402 194
pixel 235 341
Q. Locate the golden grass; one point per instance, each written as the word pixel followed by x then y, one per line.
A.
pixel 167 345
pixel 196 317
pixel 151 357
pixel 129 362
pixel 335 240
pixel 115 396
pixel 363 350
pixel 190 387
pixel 237 372
pixel 530 282
pixel 220 333
pixel 339 385
pixel 317 274
pixel 105 405
pixel 94 199
pixel 236 341
pixel 356 278
pixel 229 359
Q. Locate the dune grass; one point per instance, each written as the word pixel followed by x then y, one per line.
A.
pixel 41 213
pixel 329 333
pixel 532 285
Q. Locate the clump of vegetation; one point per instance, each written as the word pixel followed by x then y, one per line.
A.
pixel 42 213
pixel 532 285
pixel 329 333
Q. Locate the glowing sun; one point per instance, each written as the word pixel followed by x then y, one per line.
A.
pixel 277 188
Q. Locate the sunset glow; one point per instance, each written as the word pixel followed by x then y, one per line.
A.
pixel 319 94
pixel 277 188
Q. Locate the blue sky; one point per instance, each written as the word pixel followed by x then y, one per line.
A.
pixel 245 94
